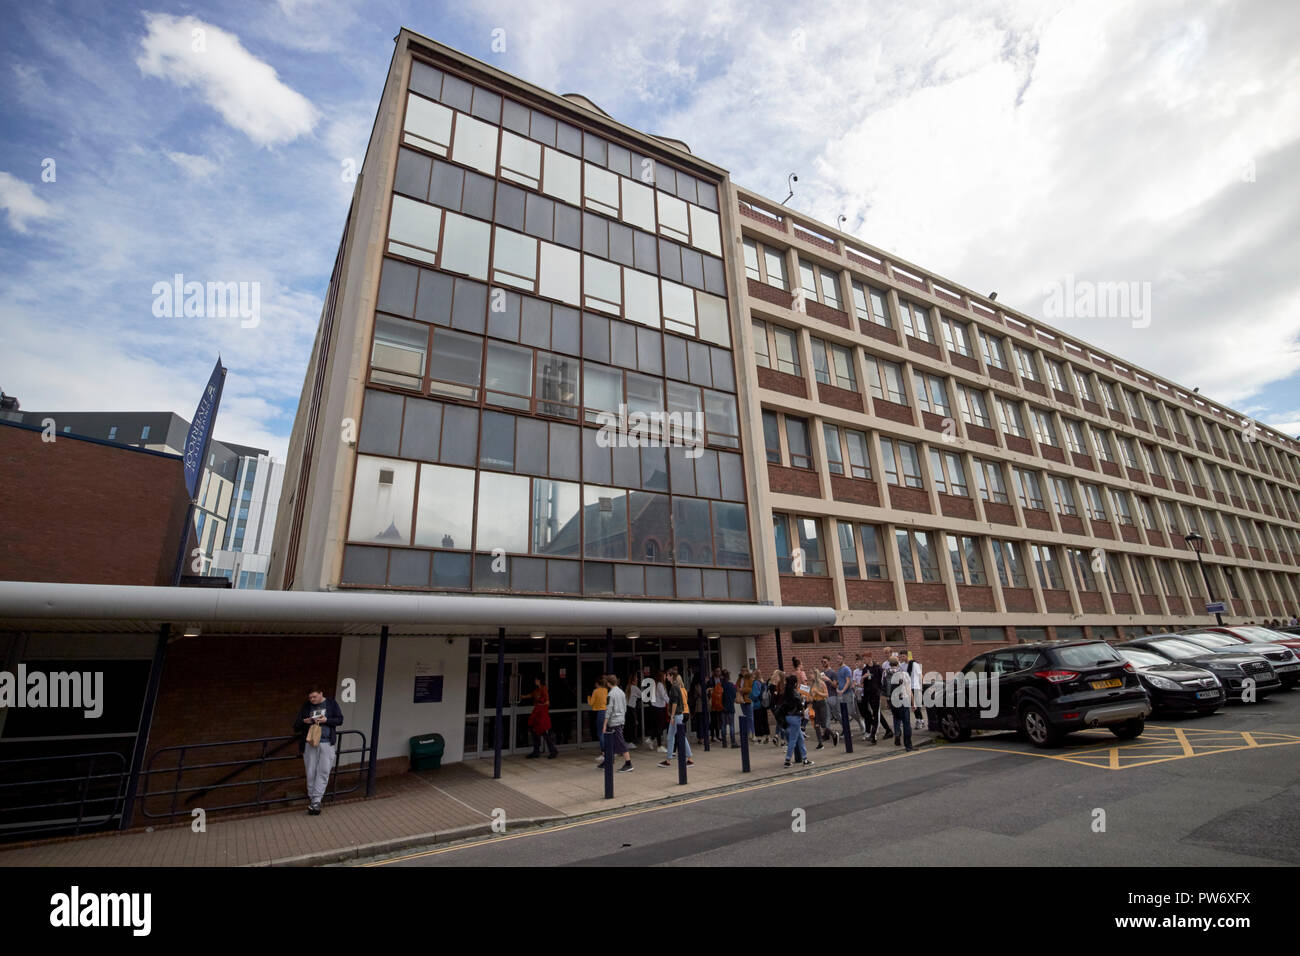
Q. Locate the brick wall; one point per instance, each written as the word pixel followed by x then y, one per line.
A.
pixel 782 382
pixel 89 513
pixel 857 490
pixel 870 595
pixel 807 590
pixel 793 481
pixel 839 397
pixel 909 499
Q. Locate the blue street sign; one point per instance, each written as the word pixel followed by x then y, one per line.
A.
pixel 1218 607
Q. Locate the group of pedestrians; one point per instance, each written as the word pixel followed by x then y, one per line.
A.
pixel 870 692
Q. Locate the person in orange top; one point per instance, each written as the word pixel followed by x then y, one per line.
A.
pixel 597 701
pixel 539 720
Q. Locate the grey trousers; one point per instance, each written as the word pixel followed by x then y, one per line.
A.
pixel 319 761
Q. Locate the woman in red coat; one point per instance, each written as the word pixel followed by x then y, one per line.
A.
pixel 539 720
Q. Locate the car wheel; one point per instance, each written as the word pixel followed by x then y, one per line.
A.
pixel 1129 729
pixel 953 729
pixel 1039 730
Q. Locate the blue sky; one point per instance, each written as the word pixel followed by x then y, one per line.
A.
pixel 1004 145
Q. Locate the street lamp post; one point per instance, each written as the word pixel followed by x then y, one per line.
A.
pixel 1195 542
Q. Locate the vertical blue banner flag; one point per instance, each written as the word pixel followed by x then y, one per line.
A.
pixel 196 442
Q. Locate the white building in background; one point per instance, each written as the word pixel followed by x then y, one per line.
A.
pixel 246 552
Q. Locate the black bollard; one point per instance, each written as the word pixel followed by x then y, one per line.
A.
pixel 607 746
pixel 745 725
pixel 681 754
pixel 848 732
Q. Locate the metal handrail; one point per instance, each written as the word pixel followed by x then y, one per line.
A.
pixel 83 800
pixel 193 793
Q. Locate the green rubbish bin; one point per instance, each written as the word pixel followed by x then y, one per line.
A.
pixel 426 751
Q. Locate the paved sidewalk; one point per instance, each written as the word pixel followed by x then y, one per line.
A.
pixel 416 809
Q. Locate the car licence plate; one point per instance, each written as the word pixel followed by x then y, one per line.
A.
pixel 1286 667
pixel 1104 684
pixel 1206 694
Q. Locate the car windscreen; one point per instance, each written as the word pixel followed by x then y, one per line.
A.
pixel 1261 635
pixel 1086 655
pixel 1172 647
pixel 1209 640
pixel 1141 658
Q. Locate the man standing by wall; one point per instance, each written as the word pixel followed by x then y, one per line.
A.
pixel 316 725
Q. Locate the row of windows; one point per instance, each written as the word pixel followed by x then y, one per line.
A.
pixel 777 347
pixel 397 502
pixel 821 283
pixel 578 168
pixel 420 430
pixel 861 554
pixel 848 453
pixel 467 367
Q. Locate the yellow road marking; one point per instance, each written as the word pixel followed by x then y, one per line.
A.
pixel 792 778
pixel 1158 745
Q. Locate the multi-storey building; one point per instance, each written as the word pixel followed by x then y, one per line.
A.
pixel 958 474
pixel 517 267
pixel 245 555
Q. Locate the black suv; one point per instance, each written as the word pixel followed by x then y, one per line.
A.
pixel 1045 690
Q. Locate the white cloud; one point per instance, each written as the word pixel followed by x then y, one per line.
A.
pixel 20 201
pixel 246 91
pixel 197 167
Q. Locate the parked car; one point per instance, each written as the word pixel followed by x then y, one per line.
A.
pixel 1045 690
pixel 1175 687
pixel 1258 635
pixel 1232 668
pixel 1285 663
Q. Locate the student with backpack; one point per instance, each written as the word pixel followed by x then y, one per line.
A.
pixel 900 702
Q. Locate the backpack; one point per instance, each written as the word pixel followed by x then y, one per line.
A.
pixel 764 696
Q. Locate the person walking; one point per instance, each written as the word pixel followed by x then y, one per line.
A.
pixel 660 710
pixel 615 718
pixel 676 711
pixel 918 710
pixel 539 720
pixel 776 698
pixel 817 693
pixel 792 705
pixel 760 699
pixel 832 696
pixel 727 727
pixel 316 726
pixel 597 700
pixel 844 692
pixel 744 696
pixel 873 684
pixel 858 693
pixel 900 702
pixel 713 694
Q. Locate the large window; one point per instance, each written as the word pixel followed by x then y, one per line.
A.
pixel 931 394
pixel 916 320
pixel 886 380
pixel 871 304
pixel 956 336
pixel 846 451
pixel 455 364
pixel 382 500
pixel 833 364
pixel 805 533
pixel 1084 381
pixel 1062 495
pixel 774 342
pixel 1010 563
pixel 949 475
pixel 765 264
pixel 916 555
pixel 819 283
pixel 1047 565
pixel 1044 430
pixel 1056 374
pixel 1031 490
pixel 1081 568
pixel 1123 513
pixel 992 349
pixel 772 436
pixel 988 478
pixel 1094 502
pixel 966 560
pixel 796 439
pixel 1025 363
pixel 874 566
pixel 901 464
pixel 399 351
pixel 1010 417
pixel 974 407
